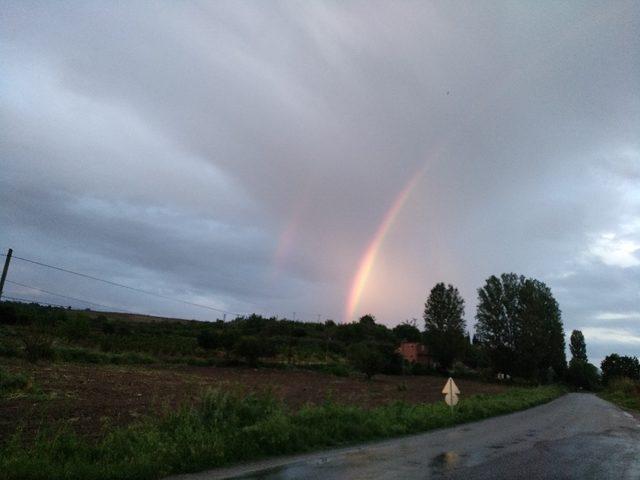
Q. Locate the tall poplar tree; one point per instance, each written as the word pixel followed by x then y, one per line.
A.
pixel 519 324
pixel 444 324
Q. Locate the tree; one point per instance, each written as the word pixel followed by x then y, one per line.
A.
pixel 615 365
pixel 407 332
pixel 540 341
pixel 520 327
pixel 367 320
pixel 578 346
pixel 581 374
pixel 497 319
pixel 444 323
pixel 366 358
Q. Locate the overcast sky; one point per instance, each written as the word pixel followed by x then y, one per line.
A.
pixel 243 154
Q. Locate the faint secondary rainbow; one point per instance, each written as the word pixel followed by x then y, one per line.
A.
pixel 512 78
pixel 369 257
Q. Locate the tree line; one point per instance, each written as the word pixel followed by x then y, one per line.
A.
pixel 518 330
pixel 518 334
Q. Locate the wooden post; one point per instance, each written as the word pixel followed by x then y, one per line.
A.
pixel 4 271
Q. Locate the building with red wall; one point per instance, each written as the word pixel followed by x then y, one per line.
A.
pixel 415 352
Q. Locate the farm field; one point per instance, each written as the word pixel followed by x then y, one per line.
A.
pixel 87 397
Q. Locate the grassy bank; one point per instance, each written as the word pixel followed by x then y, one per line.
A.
pixel 623 392
pixel 226 428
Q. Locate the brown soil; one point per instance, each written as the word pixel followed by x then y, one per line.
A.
pixel 85 397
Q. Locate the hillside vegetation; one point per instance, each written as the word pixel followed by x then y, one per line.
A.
pixel 37 332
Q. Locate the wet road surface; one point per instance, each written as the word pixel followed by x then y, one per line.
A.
pixel 578 436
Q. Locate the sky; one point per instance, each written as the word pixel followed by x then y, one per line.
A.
pixel 323 160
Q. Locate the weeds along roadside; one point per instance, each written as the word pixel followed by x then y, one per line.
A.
pixel 228 427
pixel 623 392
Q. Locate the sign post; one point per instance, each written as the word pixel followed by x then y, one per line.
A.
pixel 451 393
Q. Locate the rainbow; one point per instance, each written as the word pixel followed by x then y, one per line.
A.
pixel 369 257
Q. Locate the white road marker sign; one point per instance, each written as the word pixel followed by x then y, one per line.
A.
pixel 451 392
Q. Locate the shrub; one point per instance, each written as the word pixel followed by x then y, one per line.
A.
pixel 248 348
pixel 8 349
pixel 86 355
pixel 209 339
pixel 75 327
pixel 37 346
pixel 623 391
pixel 421 369
pixel 8 314
pixel 80 355
pixel 624 385
pixel 460 370
pixel 615 365
pixel 108 328
pixel 10 382
pixel 366 358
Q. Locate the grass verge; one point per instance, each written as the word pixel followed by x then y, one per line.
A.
pixel 623 392
pixel 228 427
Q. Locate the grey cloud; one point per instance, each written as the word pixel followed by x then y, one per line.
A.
pixel 267 141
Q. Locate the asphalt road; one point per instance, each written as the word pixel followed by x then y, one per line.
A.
pixel 578 436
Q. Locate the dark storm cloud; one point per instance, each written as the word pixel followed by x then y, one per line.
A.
pixel 243 154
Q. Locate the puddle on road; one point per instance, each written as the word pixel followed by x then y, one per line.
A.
pixel 445 461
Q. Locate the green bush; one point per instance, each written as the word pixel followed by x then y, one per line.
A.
pixel 615 365
pixel 10 382
pixel 249 348
pixel 460 370
pixel 9 349
pixel 623 391
pixel 366 358
pixel 624 385
pixel 416 368
pixel 108 328
pixel 85 355
pixel 8 314
pixel 80 355
pixel 75 327
pixel 37 346
pixel 133 358
pixel 209 339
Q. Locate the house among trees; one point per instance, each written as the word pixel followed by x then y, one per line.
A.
pixel 416 352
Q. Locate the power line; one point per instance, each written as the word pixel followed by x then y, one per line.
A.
pixel 128 287
pixel 67 297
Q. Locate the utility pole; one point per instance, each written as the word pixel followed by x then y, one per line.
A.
pixel 4 271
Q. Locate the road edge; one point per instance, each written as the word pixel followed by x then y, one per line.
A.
pixel 255 466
